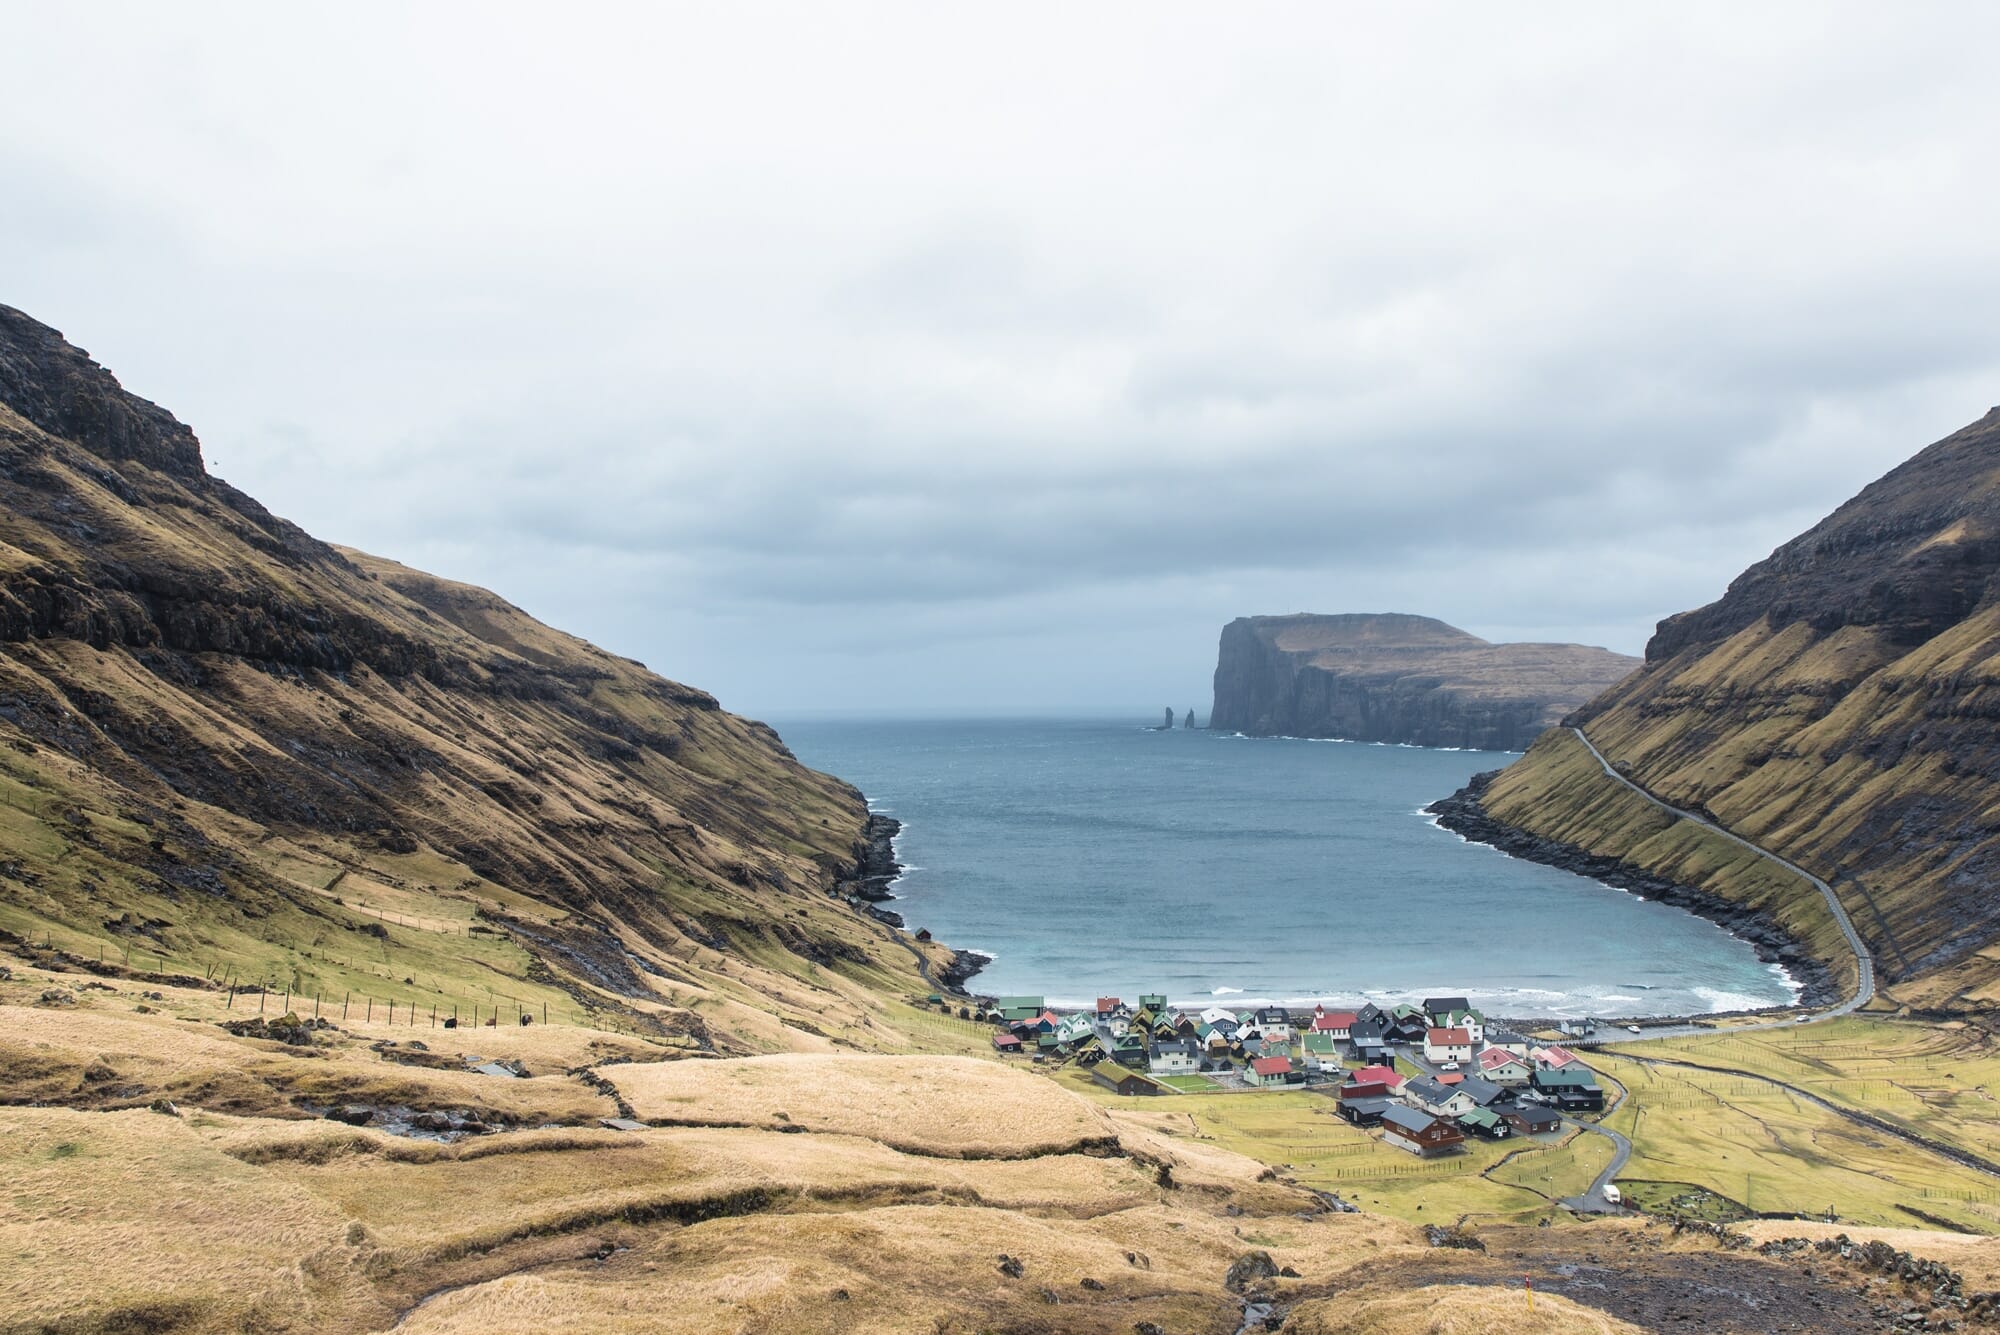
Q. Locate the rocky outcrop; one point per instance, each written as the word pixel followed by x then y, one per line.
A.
pixel 1389 677
pixel 1839 705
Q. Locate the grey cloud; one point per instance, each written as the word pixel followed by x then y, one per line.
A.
pixel 913 357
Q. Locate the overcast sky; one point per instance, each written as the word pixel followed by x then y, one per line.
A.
pixel 885 358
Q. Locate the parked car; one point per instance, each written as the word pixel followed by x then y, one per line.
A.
pixel 1448 1066
pixel 1631 1028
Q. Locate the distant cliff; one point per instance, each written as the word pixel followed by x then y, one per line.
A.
pixel 1390 677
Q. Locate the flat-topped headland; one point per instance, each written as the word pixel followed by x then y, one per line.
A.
pixel 1392 677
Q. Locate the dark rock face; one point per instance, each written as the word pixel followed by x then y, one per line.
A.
pixel 1463 814
pixel 1837 704
pixel 1911 555
pixel 61 390
pixel 1394 678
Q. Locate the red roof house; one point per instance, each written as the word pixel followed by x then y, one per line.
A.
pixel 1269 1070
pixel 1106 1005
pixel 1449 1038
pixel 1332 1022
pixel 1375 1075
pixel 1006 1043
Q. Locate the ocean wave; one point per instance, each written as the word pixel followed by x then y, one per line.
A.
pixel 1716 999
pixel 1225 992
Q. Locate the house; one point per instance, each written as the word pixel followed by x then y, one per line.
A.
pixel 1503 1066
pixel 1486 1124
pixel 1129 1048
pixel 1108 1007
pixel 1340 1024
pixel 1005 1042
pixel 1438 1100
pixel 1570 1088
pixel 1449 1077
pixel 1121 1081
pixel 1514 1043
pixel 1553 1057
pixel 1185 1024
pixel 1021 1008
pixel 1073 1029
pixel 1152 1001
pixel 1364 1112
pixel 1438 1008
pixel 1467 1019
pixel 1485 1093
pixel 1180 1057
pixel 1418 1132
pixel 1447 1045
pixel 1216 1040
pixel 1269 1046
pixel 1273 1015
pixel 1369 1080
pixel 1268 1071
pixel 1530 1119
pixel 1369 1051
pixel 1325 1046
pixel 1407 1025
pixel 1371 1023
pixel 1045 1023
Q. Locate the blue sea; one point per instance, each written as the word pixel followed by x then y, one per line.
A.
pixel 1099 857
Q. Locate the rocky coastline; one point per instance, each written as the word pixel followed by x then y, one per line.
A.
pixel 876 868
pixel 1464 815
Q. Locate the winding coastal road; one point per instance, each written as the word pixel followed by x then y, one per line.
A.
pixel 1864 991
pixel 1594 1201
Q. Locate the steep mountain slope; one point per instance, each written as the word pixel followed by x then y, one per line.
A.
pixel 234 750
pixel 1838 705
pixel 1388 677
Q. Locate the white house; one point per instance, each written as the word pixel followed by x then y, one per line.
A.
pixel 1182 1057
pixel 1440 1100
pixel 1447 1045
pixel 1503 1067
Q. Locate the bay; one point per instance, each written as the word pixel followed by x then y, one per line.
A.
pixel 1097 857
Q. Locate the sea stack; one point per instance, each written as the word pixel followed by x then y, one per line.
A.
pixel 1392 677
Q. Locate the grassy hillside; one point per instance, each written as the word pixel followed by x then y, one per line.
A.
pixel 1838 705
pixel 232 753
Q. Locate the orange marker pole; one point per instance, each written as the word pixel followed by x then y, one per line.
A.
pixel 1529 1283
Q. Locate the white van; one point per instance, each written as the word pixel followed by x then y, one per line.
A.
pixel 1611 1194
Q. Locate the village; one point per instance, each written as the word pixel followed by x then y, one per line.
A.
pixel 1464 1079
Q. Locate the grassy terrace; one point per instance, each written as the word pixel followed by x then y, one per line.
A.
pixel 1750 1140
pixel 1299 1134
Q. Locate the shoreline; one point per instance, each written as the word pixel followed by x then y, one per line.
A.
pixel 878 868
pixel 876 871
pixel 1463 814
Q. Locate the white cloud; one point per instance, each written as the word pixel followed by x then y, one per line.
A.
pixel 898 355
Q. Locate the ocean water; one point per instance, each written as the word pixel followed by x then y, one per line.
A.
pixel 1093 857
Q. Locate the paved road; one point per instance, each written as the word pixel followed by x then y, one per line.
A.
pixel 1864 991
pixel 1592 1201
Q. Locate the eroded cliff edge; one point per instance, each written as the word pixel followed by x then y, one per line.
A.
pixel 1392 677
pixel 1838 705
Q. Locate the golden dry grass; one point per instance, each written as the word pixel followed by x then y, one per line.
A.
pixel 950 1106
pixel 1445 1309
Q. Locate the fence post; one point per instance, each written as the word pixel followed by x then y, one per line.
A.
pixel 343 1004
pixel 371 1010
pixel 261 994
pixel 230 1005
pixel 392 1010
pixel 316 999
